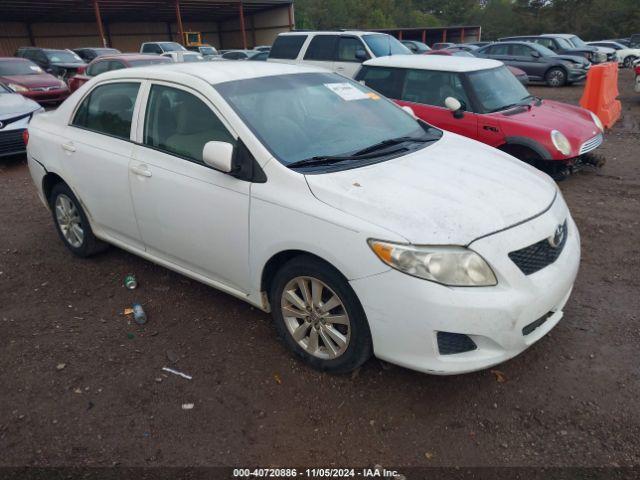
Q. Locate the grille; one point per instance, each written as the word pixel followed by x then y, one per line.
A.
pixel 591 144
pixel 11 141
pixel 535 324
pixel 540 255
pixel 451 343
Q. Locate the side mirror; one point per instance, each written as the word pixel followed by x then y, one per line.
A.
pixel 218 155
pixel 410 111
pixel 361 55
pixel 455 106
pixel 535 54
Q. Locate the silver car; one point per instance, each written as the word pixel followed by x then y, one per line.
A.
pixel 15 113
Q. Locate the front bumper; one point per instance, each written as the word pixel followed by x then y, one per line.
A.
pixel 11 142
pixel 577 74
pixel 405 313
pixel 48 96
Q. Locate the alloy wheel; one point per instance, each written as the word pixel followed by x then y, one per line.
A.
pixel 315 317
pixel 69 221
pixel 556 78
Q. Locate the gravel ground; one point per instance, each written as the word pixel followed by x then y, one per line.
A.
pixel 83 386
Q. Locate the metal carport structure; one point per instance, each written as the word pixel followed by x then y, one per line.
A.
pixel 124 24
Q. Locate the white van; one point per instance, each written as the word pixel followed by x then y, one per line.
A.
pixel 342 52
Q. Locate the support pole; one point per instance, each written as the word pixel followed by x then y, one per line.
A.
pixel 400 35
pixel 424 36
pixel 242 29
pixel 96 9
pixel 179 20
pixel 444 35
pixel 462 35
pixel 32 40
pixel 291 24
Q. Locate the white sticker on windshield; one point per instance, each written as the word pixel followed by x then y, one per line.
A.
pixel 346 91
pixel 35 68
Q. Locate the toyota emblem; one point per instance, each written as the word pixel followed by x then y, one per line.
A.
pixel 557 238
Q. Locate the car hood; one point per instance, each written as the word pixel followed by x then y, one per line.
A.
pixel 32 81
pixel 574 58
pixel 13 104
pixel 573 121
pixel 448 193
pixel 69 65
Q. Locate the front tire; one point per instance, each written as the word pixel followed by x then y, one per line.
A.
pixel 72 224
pixel 319 317
pixel 628 62
pixel 556 77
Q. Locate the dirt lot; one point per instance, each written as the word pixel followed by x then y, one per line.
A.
pixel 82 386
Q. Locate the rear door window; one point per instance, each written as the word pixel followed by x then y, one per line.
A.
pixel 499 50
pixel 287 47
pixel 98 68
pixel 108 109
pixel 322 47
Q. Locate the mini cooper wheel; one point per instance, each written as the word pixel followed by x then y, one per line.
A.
pixel 319 316
pixel 556 77
pixel 72 224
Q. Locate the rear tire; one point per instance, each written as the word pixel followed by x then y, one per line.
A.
pixel 556 77
pixel 319 317
pixel 72 224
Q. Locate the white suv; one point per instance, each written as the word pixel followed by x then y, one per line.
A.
pixel 342 52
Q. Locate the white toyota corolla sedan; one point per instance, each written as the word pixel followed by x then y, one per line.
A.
pixel 363 230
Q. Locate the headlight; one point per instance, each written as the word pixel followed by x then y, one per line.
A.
pixel 597 121
pixel 18 88
pixel 452 266
pixel 560 142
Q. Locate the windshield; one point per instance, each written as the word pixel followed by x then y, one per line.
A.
pixel 151 61
pixel 544 51
pixel 62 56
pixel 105 51
pixel 462 53
pixel 577 41
pixel 383 45
pixel 208 50
pixel 5 89
pixel 18 67
pixel 172 47
pixel 497 89
pixel 307 115
pixel 564 44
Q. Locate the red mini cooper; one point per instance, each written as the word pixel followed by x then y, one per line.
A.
pixel 481 99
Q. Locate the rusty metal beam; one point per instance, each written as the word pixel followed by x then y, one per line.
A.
pixel 179 20
pixel 242 27
pixel 96 9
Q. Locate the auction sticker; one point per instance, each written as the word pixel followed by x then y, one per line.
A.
pixel 346 91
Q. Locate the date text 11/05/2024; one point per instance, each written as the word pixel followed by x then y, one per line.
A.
pixel 376 472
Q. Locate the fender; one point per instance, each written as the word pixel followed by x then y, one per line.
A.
pixel 531 144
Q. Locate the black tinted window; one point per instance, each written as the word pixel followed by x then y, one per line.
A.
pixel 322 47
pixel 287 47
pixel 387 81
pixel 108 109
pixel 98 68
pixel 181 124
pixel 432 88
pixel 498 50
pixel 521 50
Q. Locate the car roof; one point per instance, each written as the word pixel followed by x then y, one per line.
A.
pixel 560 35
pixel 331 32
pixel 14 59
pixel 212 72
pixel 435 62
pixel 127 56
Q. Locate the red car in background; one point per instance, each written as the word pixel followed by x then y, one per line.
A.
pixel 480 99
pixel 521 75
pixel 637 70
pixel 29 80
pixel 106 63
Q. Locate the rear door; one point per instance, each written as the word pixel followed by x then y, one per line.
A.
pixel 347 60
pixel 96 152
pixel 189 214
pixel 322 51
pixel 522 58
pixel 425 91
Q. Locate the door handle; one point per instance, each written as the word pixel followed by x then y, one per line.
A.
pixel 69 147
pixel 141 170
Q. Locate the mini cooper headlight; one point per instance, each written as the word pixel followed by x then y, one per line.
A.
pixel 452 266
pixel 18 88
pixel 560 142
pixel 597 121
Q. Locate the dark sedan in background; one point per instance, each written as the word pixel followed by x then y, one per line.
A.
pixel 61 63
pixel 89 54
pixel 29 80
pixel 561 44
pixel 539 63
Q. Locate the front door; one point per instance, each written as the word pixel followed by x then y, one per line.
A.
pixel 96 152
pixel 189 214
pixel 425 91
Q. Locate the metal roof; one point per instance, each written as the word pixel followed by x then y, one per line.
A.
pixel 32 11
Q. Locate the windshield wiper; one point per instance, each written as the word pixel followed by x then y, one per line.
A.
pixel 363 154
pixel 389 142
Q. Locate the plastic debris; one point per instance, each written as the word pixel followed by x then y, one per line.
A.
pixel 61 366
pixel 500 376
pixel 128 311
pixel 176 372
pixel 138 314
pixel 130 282
pixel 187 406
pixel 277 378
